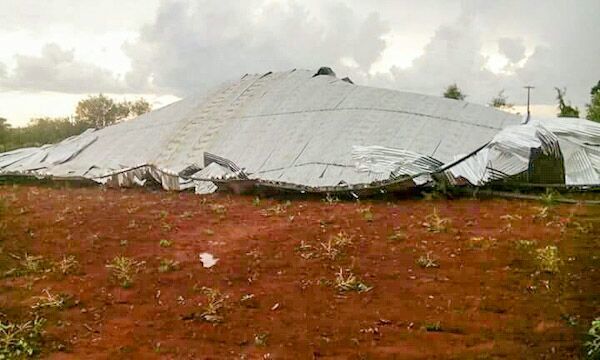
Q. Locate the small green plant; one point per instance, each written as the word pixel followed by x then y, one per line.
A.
pixel 218 209
pixel 549 198
pixel 28 264
pixel 168 265
pixel 331 199
pixel 548 259
pixel 542 213
pixel 525 245
pixel 256 201
pixel 397 235
pixel 186 215
pixel 341 239
pixel 480 242
pixel 306 250
pixel 49 300
pixel 123 270
pixel 330 250
pixel 261 339
pixel 32 264
pixel 592 346
pixel 165 226
pixel 426 261
pixel 214 305
pixel 367 214
pixel 68 265
pixel 350 283
pixel 20 340
pixel 433 327
pixel 335 245
pixel 435 223
pixel 164 243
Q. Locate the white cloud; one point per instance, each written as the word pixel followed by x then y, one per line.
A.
pixel 191 45
pixel 194 45
pixel 513 49
pixel 58 70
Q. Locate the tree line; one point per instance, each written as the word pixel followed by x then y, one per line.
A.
pixel 93 112
pixel 565 109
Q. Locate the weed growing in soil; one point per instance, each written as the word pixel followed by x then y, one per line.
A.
pixel 123 270
pixel 261 339
pixel 256 201
pixel 330 250
pixel 592 346
pixel 350 283
pixel 548 259
pixel 20 340
pixel 218 209
pixel 525 245
pixel 305 250
pixel 28 264
pixel 435 223
pixel 278 209
pixel 214 305
pixel 480 242
pixel 335 245
pixel 426 261
pixel 397 235
pixel 48 300
pixel 341 239
pixel 168 265
pixel 164 243
pixel 186 215
pixel 67 265
pixel 330 199
pixel 433 327
pixel 32 264
pixel 549 198
pixel 581 228
pixel 542 213
pixel 367 214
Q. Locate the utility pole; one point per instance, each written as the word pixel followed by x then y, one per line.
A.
pixel 528 87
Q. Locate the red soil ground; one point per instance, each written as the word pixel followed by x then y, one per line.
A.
pixel 487 298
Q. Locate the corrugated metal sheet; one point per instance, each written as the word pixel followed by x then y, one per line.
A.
pixel 287 129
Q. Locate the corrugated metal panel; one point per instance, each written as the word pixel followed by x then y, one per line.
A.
pixel 287 127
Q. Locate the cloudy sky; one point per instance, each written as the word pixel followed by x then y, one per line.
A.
pixel 53 53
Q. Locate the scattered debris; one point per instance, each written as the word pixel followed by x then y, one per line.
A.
pixel 208 260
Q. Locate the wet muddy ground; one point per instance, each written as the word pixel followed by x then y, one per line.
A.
pixel 117 274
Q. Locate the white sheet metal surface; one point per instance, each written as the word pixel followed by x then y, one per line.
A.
pixel 287 128
pixel 579 141
pixel 508 154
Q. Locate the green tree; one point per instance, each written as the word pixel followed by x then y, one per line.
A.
pixel 100 111
pixel 4 133
pixel 595 89
pixel 500 101
pixel 565 110
pixel 139 107
pixel 453 92
pixel 593 108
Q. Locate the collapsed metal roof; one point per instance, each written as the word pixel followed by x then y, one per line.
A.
pixel 310 131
